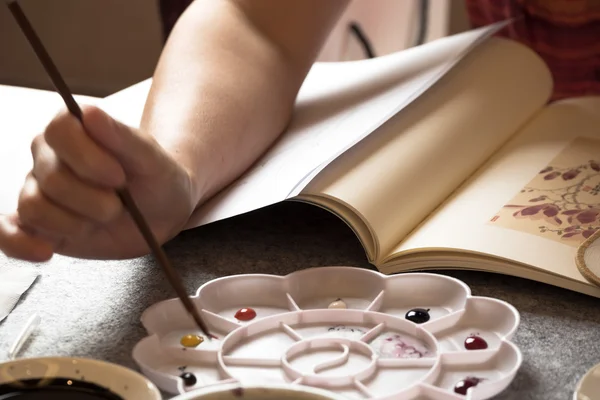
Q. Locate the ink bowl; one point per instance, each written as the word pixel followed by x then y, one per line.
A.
pixel 66 378
pixel 235 391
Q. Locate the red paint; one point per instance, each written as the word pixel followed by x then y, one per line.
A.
pixel 245 314
pixel 475 343
pixel 461 387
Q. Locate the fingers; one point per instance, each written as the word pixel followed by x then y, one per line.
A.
pixel 73 146
pixel 17 243
pixel 70 190
pixel 136 153
pixel 39 213
pixel 56 183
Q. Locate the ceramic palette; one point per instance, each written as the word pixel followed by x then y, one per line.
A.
pixel 354 332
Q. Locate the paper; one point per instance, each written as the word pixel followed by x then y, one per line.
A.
pixel 339 105
pixel 462 224
pixel 14 281
pixel 24 113
pixel 562 201
pixel 418 158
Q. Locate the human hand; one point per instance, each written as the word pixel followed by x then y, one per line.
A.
pixel 68 204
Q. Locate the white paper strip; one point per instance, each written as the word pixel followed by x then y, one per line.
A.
pixel 14 281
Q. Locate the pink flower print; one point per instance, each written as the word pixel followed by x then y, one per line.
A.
pixel 398 346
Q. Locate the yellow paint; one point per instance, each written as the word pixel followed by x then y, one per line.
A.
pixel 191 340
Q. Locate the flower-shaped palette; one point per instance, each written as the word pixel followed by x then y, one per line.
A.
pixel 355 332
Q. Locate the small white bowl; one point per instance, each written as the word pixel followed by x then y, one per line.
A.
pixel 588 387
pixel 237 391
pixel 122 381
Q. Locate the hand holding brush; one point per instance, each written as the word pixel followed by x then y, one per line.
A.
pixel 78 199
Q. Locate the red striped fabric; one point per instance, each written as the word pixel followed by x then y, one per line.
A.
pixel 565 33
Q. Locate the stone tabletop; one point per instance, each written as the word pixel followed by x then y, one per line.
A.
pixel 92 308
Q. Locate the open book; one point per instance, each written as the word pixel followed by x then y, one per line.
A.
pixel 477 173
pixel 446 155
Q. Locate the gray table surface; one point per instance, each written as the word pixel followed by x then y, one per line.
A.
pixel 92 308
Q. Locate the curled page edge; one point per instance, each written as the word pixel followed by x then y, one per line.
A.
pixel 487 32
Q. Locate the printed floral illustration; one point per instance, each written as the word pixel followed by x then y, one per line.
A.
pixel 563 201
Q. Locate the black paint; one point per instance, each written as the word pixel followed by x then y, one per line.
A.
pixel 418 315
pixel 188 378
pixel 55 389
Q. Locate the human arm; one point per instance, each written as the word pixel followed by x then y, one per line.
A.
pixel 220 101
pixel 222 93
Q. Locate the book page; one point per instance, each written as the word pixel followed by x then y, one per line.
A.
pixel 534 202
pixel 400 174
pixel 24 114
pixel 338 105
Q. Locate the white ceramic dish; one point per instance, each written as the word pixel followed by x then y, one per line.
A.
pixel 235 391
pixel 588 387
pixel 124 382
pixel 367 351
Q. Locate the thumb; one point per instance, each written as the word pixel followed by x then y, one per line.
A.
pixel 136 153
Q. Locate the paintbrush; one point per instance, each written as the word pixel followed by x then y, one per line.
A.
pixel 123 193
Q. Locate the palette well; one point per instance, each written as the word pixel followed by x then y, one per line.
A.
pixel 354 332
